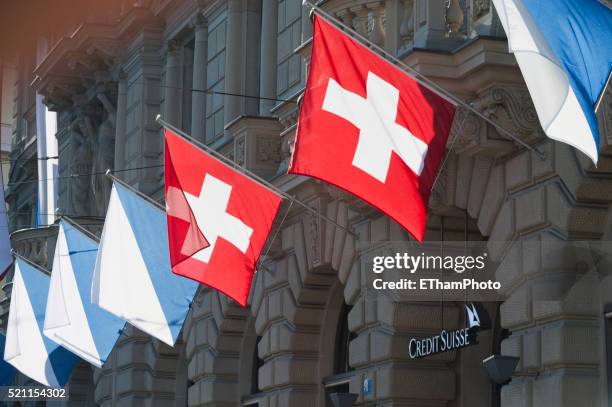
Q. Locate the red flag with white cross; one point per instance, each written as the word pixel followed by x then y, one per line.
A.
pixel 218 219
pixel 370 129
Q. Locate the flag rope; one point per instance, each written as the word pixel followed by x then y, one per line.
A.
pixel 278 229
pixel 266 184
pixel 420 78
pixel 448 153
pixel 88 174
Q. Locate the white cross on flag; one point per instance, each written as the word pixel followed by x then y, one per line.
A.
pixel 367 127
pixel 218 219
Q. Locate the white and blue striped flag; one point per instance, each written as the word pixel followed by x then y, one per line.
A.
pixel 563 50
pixel 71 319
pixel 26 348
pixel 132 277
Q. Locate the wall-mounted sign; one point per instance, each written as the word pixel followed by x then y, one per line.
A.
pixel 446 341
pixel 367 387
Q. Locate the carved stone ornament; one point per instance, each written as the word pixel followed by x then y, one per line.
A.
pixel 512 108
pixel 239 151
pixel 268 149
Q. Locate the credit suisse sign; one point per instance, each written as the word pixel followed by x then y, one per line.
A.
pixel 446 341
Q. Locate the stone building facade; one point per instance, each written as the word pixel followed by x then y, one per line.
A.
pixel 230 73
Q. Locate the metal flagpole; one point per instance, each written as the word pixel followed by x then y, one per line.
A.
pixel 420 78
pixel 266 184
pixel 80 228
pixel 134 190
pixel 30 262
pixel 603 92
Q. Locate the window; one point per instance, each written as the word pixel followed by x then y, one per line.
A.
pixel 215 78
pixel 289 69
pixel 257 364
pixel 339 381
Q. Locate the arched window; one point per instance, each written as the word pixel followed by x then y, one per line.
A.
pixel 339 381
pixel 250 363
pixel 343 337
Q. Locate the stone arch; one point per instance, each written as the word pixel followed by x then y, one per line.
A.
pixel 528 207
pixel 139 370
pixel 329 328
pixel 214 334
pixel 292 305
pixel 80 388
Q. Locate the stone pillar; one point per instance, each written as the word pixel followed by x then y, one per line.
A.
pixel 392 15
pixel 198 97
pixel 143 140
pixel 214 333
pixel 120 126
pixel 432 28
pixel 306 24
pixel 267 81
pixel 234 57
pixel 140 371
pixel 172 100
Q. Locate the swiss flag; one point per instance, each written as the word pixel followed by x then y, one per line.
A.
pixel 367 127
pixel 218 219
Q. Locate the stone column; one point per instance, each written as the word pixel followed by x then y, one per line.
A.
pixel 267 81
pixel 234 56
pixel 198 97
pixel 306 24
pixel 432 26
pixel 120 126
pixel 172 100
pixel 392 15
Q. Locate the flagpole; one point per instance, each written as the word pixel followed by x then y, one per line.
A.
pixel 420 78
pixel 266 184
pixel 603 93
pixel 80 228
pixel 30 262
pixel 134 190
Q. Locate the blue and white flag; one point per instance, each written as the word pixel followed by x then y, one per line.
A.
pixel 133 278
pixel 7 372
pixel 563 50
pixel 70 318
pixel 27 349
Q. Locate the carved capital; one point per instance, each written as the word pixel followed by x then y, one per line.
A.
pixel 199 21
pixel 174 46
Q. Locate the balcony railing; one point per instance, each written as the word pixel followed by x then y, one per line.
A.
pixel 36 244
pixel 402 25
